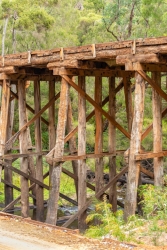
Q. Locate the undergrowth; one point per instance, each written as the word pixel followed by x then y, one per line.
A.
pixel 103 223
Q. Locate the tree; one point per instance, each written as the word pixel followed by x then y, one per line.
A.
pixel 27 20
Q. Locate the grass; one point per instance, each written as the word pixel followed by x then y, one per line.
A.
pixel 147 229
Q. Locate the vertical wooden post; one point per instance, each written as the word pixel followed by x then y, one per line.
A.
pixel 8 172
pixel 31 169
pixel 52 134
pixel 81 151
pixel 112 144
pixel 58 152
pixel 135 145
pixel 38 143
pixel 23 148
pixel 157 131
pixel 72 143
pixel 4 115
pixel 128 101
pixel 99 180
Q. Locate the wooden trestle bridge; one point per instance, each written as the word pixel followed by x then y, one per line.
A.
pixel 139 62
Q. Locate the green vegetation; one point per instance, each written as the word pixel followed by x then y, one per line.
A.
pixel 29 25
pixel 105 223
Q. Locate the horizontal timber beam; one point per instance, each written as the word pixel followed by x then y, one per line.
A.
pixel 141 58
pixel 16 156
pixel 87 156
pixel 93 72
pixel 148 155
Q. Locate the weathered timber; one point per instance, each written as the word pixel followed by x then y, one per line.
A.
pixel 153 84
pixel 72 143
pixel 15 187
pixel 135 146
pixel 81 150
pixel 58 152
pixel 142 58
pixel 99 182
pixel 148 155
pixel 9 206
pixel 128 101
pixel 23 149
pixel 52 134
pixel 81 157
pixel 93 72
pixel 102 51
pixel 88 98
pixel 31 168
pixel 145 171
pixel 4 116
pixel 118 88
pixel 14 137
pixel 157 131
pixel 112 144
pixel 38 143
pixel 8 173
pixel 28 154
pixel 25 175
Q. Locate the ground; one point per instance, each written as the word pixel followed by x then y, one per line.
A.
pixel 18 233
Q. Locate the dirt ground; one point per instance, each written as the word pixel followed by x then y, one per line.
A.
pixel 18 233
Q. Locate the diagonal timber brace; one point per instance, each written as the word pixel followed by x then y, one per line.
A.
pixel 89 99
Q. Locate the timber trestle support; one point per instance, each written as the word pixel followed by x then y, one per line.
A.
pixel 103 88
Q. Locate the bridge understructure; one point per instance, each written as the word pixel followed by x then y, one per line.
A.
pixel 128 68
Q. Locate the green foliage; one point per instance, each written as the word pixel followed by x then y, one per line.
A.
pixel 154 201
pixel 106 221
pixel 103 222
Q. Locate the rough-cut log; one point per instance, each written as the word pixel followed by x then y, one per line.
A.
pixel 157 131
pixel 72 143
pixel 135 146
pixel 99 51
pixel 58 152
pixel 148 155
pixel 38 144
pixel 128 102
pixel 81 157
pixel 52 134
pixel 93 72
pixel 8 173
pixel 112 144
pixel 23 149
pixel 4 116
pixel 99 182
pixel 142 58
pixel 81 151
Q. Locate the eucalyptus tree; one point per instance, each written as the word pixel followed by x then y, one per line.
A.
pixel 25 24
